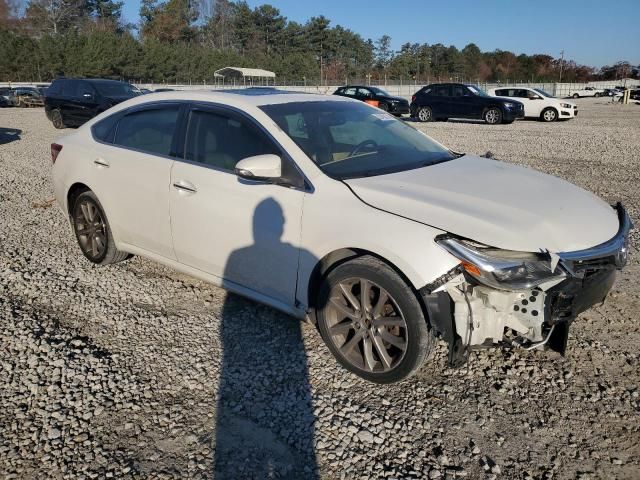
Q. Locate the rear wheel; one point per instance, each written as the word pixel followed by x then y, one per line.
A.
pixel 93 232
pixel 57 120
pixel 493 116
pixel 596 95
pixel 372 322
pixel 575 95
pixel 549 115
pixel 425 114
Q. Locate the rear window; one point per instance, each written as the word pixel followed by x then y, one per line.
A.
pixel 149 131
pixel 55 88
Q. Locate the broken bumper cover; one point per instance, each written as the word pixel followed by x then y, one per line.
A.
pixel 590 275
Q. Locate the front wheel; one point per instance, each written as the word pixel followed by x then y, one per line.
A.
pixel 596 95
pixel 372 321
pixel 425 114
pixel 549 115
pixel 493 116
pixel 575 95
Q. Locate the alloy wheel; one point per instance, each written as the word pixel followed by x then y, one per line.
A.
pixel 90 229
pixel 424 114
pixel 366 325
pixel 492 116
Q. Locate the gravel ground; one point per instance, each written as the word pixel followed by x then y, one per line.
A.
pixel 137 371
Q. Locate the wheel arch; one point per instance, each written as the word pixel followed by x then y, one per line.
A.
pixel 337 257
pixel 74 191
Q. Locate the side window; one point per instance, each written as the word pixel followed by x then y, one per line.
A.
pixel 351 91
pixel 221 141
pixel 365 92
pixel 148 130
pixel 104 129
pixel 501 93
pixel 441 91
pixel 459 91
pixel 69 88
pixel 83 88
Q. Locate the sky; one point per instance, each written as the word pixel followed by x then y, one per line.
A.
pixel 593 33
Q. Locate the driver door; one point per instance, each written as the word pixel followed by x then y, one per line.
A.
pixel 245 232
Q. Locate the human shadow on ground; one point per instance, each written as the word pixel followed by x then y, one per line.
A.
pixel 264 418
pixel 8 135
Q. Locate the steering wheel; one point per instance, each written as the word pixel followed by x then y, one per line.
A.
pixel 361 145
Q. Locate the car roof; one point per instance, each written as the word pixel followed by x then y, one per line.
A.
pixel 255 96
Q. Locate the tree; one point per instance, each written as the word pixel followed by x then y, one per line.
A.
pixel 383 52
pixel 54 16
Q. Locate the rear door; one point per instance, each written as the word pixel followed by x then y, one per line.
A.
pixel 133 171
pixel 85 101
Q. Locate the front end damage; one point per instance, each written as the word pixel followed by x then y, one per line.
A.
pixel 528 300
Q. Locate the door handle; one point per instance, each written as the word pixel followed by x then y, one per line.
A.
pixel 101 163
pixel 185 187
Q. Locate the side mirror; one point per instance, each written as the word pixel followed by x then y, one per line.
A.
pixel 260 167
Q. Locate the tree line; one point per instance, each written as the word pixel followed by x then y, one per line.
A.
pixel 185 41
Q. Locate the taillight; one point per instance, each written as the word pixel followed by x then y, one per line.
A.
pixel 413 99
pixel 55 150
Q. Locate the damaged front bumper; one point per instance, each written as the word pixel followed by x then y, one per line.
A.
pixel 468 314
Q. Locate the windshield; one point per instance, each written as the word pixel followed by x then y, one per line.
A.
pixel 351 140
pixel 114 89
pixel 542 92
pixel 477 91
pixel 379 91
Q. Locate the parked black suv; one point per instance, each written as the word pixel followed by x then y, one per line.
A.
pixel 376 97
pixel 455 100
pixel 72 101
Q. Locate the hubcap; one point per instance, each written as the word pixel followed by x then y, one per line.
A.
pixel 549 115
pixel 90 229
pixel 492 116
pixel 366 325
pixel 424 114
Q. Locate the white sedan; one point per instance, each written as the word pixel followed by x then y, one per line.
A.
pixel 586 92
pixel 538 103
pixel 329 209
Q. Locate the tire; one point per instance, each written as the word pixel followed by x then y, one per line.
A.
pixel 383 106
pixel 549 115
pixel 575 95
pixel 596 95
pixel 493 116
pixel 388 344
pixel 57 119
pixel 97 245
pixel 424 114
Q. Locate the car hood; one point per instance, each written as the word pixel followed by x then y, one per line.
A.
pixel 495 203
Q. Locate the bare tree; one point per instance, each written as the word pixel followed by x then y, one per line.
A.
pixel 54 15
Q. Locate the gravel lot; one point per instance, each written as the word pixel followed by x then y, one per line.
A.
pixel 137 371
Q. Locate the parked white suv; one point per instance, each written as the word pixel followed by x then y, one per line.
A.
pixel 538 103
pixel 586 92
pixel 328 208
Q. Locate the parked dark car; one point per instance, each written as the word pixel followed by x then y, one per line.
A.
pixel 72 101
pixel 376 97
pixel 5 93
pixel 164 90
pixel 26 97
pixel 455 100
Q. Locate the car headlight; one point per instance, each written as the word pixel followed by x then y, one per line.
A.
pixel 566 105
pixel 502 269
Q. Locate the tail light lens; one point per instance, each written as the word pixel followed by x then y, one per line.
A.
pixel 55 150
pixel 413 98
